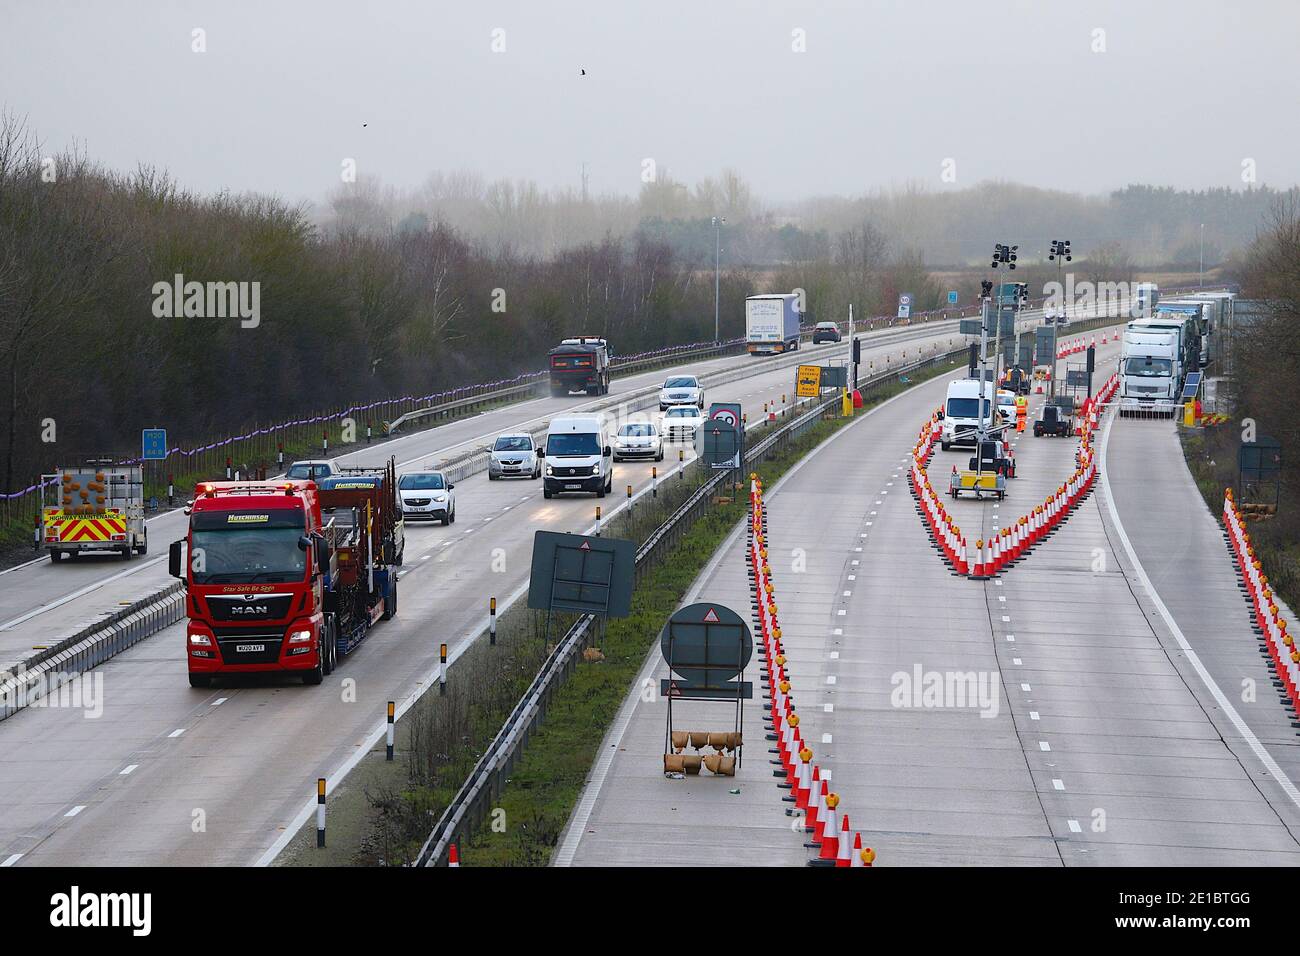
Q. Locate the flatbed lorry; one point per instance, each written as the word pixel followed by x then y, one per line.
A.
pixel 285 576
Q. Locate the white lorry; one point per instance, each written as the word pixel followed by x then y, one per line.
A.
pixel 1150 369
pixel 772 324
pixel 962 412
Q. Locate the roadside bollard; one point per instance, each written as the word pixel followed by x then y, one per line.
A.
pixel 681 463
pixel 279 455
pixel 36 534
pixel 229 469
pixel 492 621
pixel 171 490
pixel 367 433
pixel 324 442
pixel 392 709
pixel 442 670
pixel 320 813
pixel 597 521
pixel 654 481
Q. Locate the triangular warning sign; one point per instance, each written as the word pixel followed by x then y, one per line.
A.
pixel 586 546
pixel 711 617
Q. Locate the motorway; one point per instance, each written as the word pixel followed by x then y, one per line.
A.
pixel 172 775
pixel 1119 727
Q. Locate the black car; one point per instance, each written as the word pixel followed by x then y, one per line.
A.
pixel 826 332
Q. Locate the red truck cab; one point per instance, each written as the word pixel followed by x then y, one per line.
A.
pixel 256 574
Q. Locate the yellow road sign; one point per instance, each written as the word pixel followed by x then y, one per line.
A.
pixel 808 381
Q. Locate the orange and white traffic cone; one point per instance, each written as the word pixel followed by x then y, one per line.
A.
pixel 453 857
pixel 844 858
pixel 856 860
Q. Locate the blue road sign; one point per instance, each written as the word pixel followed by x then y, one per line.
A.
pixel 153 444
pixel 952 298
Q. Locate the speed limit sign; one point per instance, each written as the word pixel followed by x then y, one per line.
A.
pixel 728 412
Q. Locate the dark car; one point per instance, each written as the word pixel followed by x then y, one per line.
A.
pixel 826 332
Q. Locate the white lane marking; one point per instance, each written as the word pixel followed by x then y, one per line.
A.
pixel 841 612
pixel 1025 688
pixel 1016 661
pixel 1193 658
pixel 1011 638
pixel 1058 784
pixel 1002 597
pixel 10 861
pixel 830 678
pixel 838 630
pixel 1033 715
pixel 1074 826
pixel 425 557
pixel 128 770
pixel 75 810
pixel 997 582
pixel 1005 619
pixel 828 708
pixel 848 593
pixel 1044 745
pixel 73 595
pixel 835 655
pixel 853 577
pixel 826 738
pixel 219 701
pixel 856 562
pixel 176 733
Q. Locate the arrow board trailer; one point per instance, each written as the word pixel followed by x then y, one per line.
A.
pixel 96 507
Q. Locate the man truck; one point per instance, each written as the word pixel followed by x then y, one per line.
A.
pixel 284 576
pixel 580 365
pixel 772 324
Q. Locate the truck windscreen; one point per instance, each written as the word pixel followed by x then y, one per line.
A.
pixel 244 547
pixel 1148 367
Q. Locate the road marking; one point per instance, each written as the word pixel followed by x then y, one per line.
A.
pixel 176 733
pixel 841 612
pixel 1002 597
pixel 830 678
pixel 1044 745
pixel 826 738
pixel 1058 784
pixel 1033 715
pixel 1193 658
pixel 848 593
pixel 128 770
pixel 92 586
pixel 1011 638
pixel 1005 619
pixel 828 708
pixel 853 577
pixel 10 861
pixel 1025 688
pixel 1016 661
pixel 75 810
pixel 1074 826
pixel 219 701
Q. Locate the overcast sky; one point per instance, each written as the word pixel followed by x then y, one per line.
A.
pixel 881 94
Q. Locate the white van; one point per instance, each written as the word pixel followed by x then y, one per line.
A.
pixel 962 412
pixel 578 456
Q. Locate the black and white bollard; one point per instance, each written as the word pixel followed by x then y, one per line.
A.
pixel 392 709
pixel 597 521
pixel 442 670
pixel 492 621
pixel 654 481
pixel 320 813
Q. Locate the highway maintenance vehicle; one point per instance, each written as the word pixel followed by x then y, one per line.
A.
pixel 284 576
pixel 580 365
pixel 96 507
pixel 1055 419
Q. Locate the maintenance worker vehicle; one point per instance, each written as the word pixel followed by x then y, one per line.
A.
pixel 1055 419
pixel 986 474
pixel 96 507
pixel 284 577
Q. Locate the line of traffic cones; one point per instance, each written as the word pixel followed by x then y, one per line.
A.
pixel 1269 622
pixel 809 794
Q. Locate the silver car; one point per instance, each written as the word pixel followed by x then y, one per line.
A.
pixel 514 456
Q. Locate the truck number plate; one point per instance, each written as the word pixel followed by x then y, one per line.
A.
pixel 249 648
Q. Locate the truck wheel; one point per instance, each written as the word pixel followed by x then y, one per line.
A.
pixel 56 555
pixel 144 546
pixel 390 602
pixel 944 445
pixel 327 651
pixel 200 680
pixel 316 675
pixel 126 553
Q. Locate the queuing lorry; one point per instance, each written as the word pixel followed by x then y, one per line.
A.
pixel 1150 369
pixel 284 576
pixel 98 506
pixel 772 324
pixel 579 365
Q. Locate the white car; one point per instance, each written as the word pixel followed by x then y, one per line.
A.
pixel 514 456
pixel 314 469
pixel 427 494
pixel 680 422
pixel 681 389
pixel 638 440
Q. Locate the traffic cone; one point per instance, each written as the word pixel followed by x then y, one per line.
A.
pixel 453 857
pixel 845 852
pixel 830 838
pixel 856 859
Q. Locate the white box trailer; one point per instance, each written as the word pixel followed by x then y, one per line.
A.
pixel 772 324
pixel 98 506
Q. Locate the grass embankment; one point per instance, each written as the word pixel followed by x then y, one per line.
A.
pixel 1211 455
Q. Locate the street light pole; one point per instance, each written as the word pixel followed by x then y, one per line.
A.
pixel 717 259
pixel 1200 280
pixel 1061 253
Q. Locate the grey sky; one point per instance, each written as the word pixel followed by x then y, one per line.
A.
pixel 884 93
